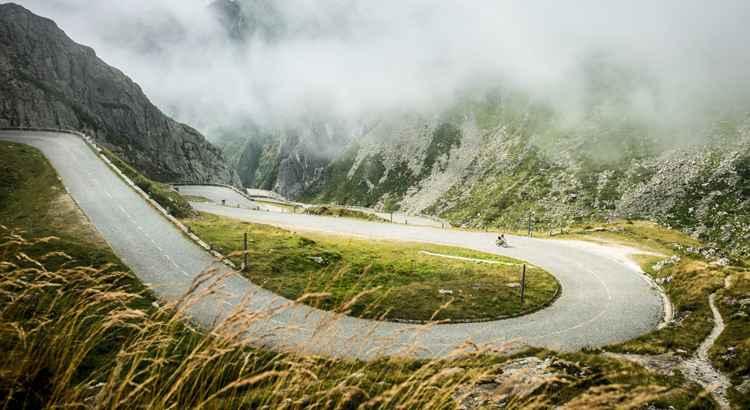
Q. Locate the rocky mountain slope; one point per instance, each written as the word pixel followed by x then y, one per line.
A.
pixel 286 158
pixel 495 156
pixel 47 80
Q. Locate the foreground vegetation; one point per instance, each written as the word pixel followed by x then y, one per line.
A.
pixel 79 331
pixel 691 281
pixel 402 282
pixel 80 337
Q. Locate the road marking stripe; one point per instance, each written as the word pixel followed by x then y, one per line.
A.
pixel 123 210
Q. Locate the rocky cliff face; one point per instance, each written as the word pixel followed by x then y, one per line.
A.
pixel 286 159
pixel 320 143
pixel 256 152
pixel 245 19
pixel 47 80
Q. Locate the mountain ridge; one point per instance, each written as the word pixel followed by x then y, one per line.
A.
pixel 49 81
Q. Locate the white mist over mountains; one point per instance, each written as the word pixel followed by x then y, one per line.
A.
pixel 348 58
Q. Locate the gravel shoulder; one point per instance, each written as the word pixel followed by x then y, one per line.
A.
pixel 612 250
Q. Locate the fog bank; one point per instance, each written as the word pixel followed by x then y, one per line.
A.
pixel 297 58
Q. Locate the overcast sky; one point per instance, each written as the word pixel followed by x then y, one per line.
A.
pixel 348 57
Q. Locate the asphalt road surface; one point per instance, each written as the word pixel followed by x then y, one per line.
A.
pixel 602 300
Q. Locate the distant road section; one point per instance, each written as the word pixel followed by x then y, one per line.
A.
pixel 602 301
pixel 231 198
pixel 408 219
pixel 267 196
pixel 220 195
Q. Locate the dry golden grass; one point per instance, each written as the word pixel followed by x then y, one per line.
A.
pixel 71 338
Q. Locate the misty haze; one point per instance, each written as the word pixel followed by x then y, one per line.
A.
pixel 571 178
pixel 219 64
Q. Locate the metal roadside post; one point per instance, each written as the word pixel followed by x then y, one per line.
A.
pixel 245 264
pixel 529 223
pixel 523 282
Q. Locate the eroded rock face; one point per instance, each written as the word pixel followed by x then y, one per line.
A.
pixel 319 143
pixel 49 81
pixel 298 171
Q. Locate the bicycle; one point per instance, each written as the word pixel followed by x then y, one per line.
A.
pixel 504 244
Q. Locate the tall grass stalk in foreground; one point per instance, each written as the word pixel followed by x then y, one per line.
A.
pixel 70 338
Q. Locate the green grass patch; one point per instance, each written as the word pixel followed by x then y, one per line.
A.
pixel 287 208
pixel 341 212
pixel 405 283
pixel 644 234
pixel 195 198
pixel 33 200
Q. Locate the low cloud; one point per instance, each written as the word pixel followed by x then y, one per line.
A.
pixel 337 57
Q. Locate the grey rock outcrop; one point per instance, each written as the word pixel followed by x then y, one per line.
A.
pixel 246 19
pixel 259 163
pixel 665 262
pixel 319 144
pixel 49 81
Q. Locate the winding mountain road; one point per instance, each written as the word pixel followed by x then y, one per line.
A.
pixel 602 301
